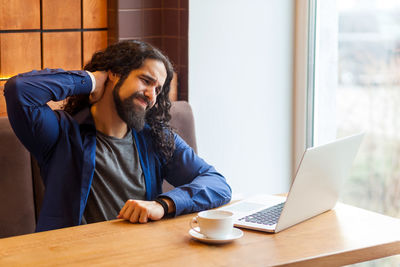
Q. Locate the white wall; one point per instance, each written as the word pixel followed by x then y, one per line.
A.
pixel 240 89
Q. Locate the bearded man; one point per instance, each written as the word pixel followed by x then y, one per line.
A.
pixel 106 154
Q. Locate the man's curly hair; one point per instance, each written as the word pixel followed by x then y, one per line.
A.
pixel 121 58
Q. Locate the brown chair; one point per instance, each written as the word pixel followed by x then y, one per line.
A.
pixel 21 188
pixel 182 122
pixel 17 209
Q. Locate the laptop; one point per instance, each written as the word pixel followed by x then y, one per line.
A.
pixel 315 189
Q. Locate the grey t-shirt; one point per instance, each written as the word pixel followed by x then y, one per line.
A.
pixel 118 176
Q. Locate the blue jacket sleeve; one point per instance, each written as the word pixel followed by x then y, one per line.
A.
pixel 198 185
pixel 27 94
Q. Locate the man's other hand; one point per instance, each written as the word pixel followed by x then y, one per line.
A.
pixel 97 93
pixel 141 211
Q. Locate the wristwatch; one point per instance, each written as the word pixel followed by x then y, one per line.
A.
pixel 163 204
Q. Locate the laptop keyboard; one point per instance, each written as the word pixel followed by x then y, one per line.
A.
pixel 268 216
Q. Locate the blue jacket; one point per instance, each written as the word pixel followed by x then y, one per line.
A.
pixel 65 147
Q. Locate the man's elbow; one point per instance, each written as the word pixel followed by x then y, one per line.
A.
pixel 225 193
pixel 12 89
pixel 228 194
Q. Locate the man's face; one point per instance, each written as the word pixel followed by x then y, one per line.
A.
pixel 138 93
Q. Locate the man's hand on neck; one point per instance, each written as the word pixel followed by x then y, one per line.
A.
pixel 100 83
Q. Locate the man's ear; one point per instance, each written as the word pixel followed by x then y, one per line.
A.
pixel 113 77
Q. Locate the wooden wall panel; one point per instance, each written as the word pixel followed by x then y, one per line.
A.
pixel 61 14
pixel 94 14
pixel 20 52
pixel 152 22
pixel 170 22
pixel 19 14
pixel 170 46
pixel 183 83
pixel 92 42
pixel 62 50
pixel 112 21
pixel 130 24
pixel 71 31
pixel 157 41
pixel 129 4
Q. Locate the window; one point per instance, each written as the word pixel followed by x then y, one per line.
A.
pixel 357 88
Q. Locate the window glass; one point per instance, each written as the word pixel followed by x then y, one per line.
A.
pixel 357 88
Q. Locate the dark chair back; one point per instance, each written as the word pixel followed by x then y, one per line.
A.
pixel 17 210
pixel 182 121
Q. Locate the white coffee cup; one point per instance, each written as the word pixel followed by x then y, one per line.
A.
pixel 215 224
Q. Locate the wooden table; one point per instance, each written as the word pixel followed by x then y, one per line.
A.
pixel 343 236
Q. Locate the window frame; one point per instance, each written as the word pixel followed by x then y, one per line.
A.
pixel 304 77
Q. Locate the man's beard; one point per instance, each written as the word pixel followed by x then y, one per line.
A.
pixel 133 115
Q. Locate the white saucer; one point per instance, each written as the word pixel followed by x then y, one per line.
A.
pixel 236 233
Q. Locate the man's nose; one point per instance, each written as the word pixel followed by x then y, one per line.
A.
pixel 151 93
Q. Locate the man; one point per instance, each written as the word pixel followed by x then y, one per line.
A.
pixel 106 154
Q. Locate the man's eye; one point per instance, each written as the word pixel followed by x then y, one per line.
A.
pixel 158 90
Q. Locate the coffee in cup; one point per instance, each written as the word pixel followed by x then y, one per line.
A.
pixel 215 224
